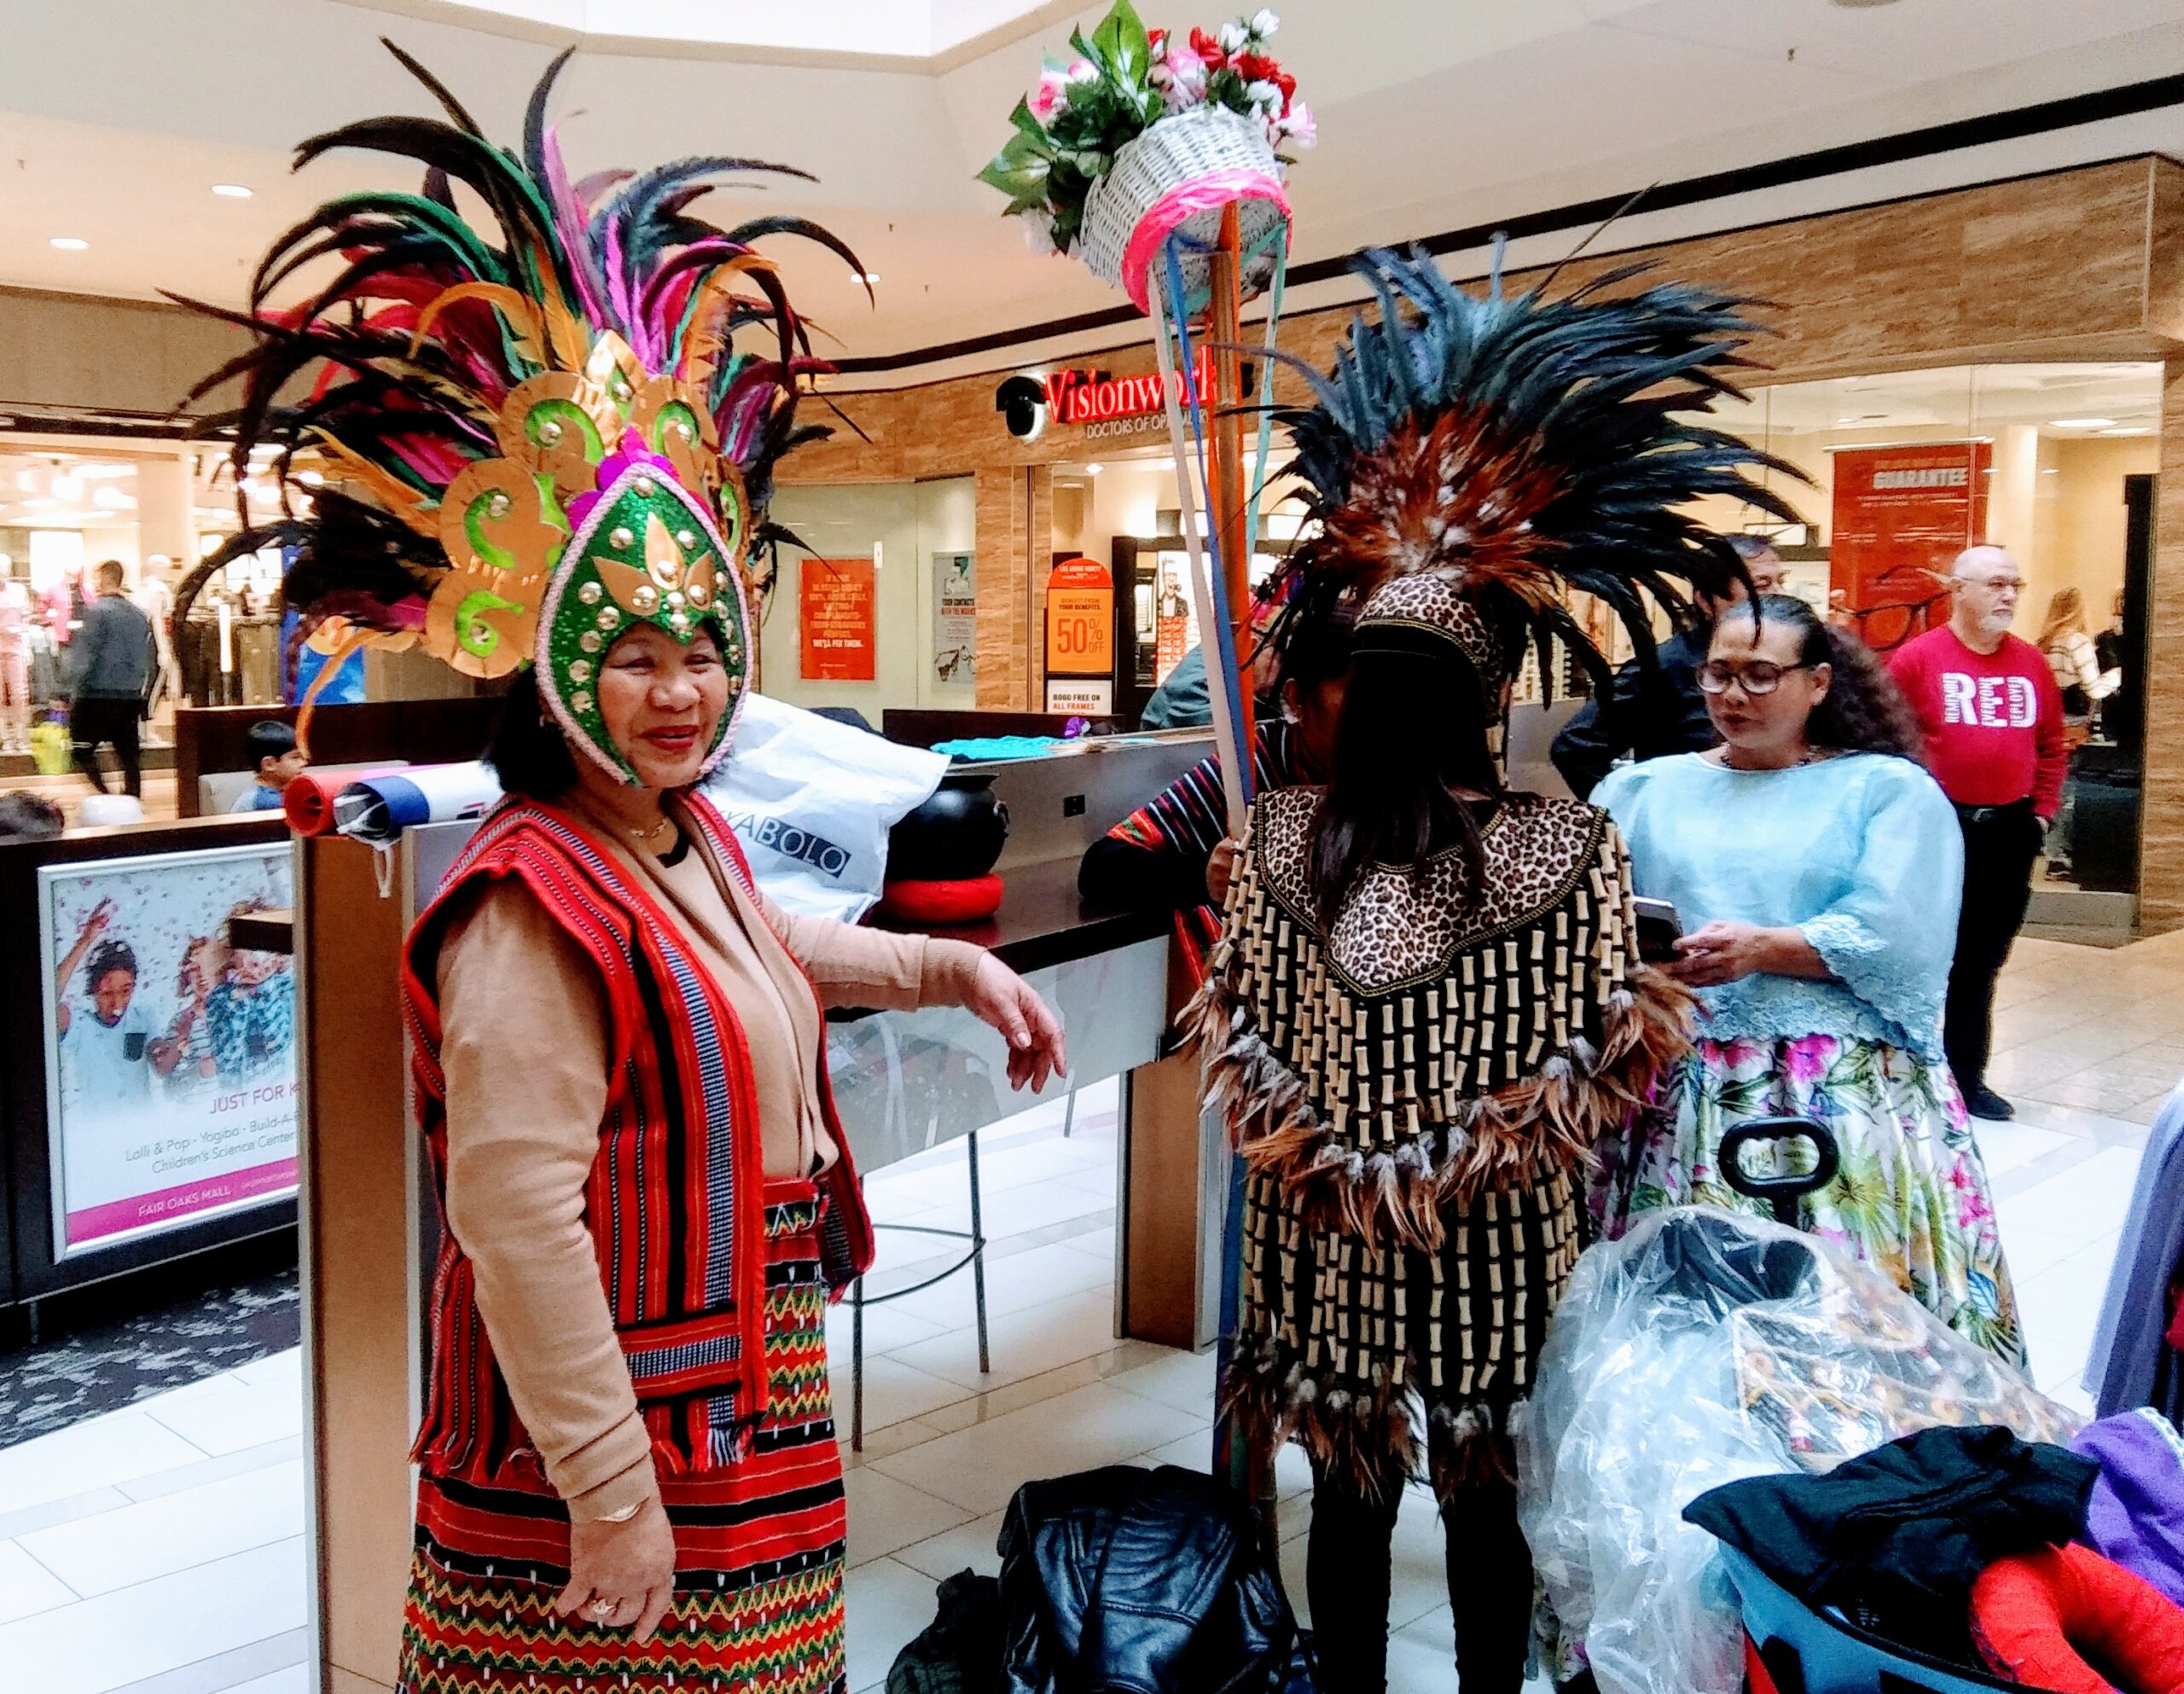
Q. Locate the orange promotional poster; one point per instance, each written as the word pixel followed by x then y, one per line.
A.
pixel 840 612
pixel 1902 515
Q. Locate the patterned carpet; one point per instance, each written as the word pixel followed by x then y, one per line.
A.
pixel 110 1346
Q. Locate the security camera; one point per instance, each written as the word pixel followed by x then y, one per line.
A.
pixel 1023 401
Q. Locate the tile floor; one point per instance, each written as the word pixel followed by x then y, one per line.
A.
pixel 158 1550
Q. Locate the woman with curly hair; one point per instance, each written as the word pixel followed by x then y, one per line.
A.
pixel 1817 869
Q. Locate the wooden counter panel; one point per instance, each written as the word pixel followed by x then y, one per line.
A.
pixel 360 1357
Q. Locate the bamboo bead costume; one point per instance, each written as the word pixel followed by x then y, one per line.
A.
pixel 516 454
pixel 1417 1085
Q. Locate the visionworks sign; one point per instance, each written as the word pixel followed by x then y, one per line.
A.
pixel 1084 397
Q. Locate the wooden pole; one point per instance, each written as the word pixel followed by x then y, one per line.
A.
pixel 1226 496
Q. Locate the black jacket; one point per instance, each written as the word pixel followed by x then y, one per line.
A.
pixel 1897 1537
pixel 1130 1581
pixel 1649 716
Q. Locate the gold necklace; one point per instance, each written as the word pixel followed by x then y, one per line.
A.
pixel 647 836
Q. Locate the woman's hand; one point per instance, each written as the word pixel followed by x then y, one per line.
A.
pixel 622 1576
pixel 1718 953
pixel 998 996
pixel 1221 870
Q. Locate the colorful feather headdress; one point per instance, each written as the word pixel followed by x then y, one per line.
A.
pixel 515 449
pixel 1504 449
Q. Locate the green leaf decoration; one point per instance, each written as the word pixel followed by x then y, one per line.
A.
pixel 1027 125
pixel 1124 45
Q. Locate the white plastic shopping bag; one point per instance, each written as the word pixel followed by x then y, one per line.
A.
pixel 812 801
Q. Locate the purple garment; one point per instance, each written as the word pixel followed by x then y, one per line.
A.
pixel 2136 1515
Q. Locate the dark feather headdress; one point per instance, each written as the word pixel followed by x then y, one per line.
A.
pixel 1511 448
pixel 512 445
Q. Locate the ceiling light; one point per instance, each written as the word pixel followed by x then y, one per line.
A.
pixel 2083 423
pixel 2131 429
pixel 1094 470
pixel 70 244
pixel 869 276
pixel 311 479
pixel 67 487
pixel 231 190
pixel 110 497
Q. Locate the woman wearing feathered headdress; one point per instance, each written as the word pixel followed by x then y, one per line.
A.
pixel 1427 1005
pixel 548 457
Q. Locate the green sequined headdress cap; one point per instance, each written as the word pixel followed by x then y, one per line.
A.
pixel 521 444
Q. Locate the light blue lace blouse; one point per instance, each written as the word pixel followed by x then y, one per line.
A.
pixel 1863 853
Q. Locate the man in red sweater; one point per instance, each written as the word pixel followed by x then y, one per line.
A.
pixel 1993 725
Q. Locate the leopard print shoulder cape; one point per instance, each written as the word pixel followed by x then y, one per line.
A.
pixel 1413 1094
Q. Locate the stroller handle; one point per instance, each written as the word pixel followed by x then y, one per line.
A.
pixel 1782 1194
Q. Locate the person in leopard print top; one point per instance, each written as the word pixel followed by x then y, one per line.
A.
pixel 1427 1006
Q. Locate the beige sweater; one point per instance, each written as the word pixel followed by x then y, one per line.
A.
pixel 525 1052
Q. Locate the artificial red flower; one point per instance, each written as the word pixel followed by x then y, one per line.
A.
pixel 1208 49
pixel 1156 44
pixel 1257 67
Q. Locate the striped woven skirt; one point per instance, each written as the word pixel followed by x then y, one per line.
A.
pixel 758 1547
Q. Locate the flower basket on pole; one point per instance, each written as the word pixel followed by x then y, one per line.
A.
pixel 1157 161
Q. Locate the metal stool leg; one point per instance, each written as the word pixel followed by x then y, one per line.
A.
pixel 978 1255
pixel 1068 1113
pixel 857 1365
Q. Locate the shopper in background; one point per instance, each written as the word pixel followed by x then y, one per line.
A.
pixel 271 747
pixel 2072 656
pixel 109 664
pixel 1815 867
pixel 1658 709
pixel 25 816
pixel 1993 722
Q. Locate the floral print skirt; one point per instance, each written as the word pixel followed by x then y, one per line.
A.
pixel 1912 1198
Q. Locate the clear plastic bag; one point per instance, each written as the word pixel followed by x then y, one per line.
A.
pixel 1704 1347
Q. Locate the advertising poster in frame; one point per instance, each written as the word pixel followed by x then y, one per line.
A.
pixel 170 1056
pixel 955 617
pixel 840 604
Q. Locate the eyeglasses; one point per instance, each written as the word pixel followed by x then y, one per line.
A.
pixel 1759 677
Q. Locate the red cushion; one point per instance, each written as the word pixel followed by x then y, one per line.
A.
pixel 2038 1617
pixel 962 900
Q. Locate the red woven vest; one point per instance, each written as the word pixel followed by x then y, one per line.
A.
pixel 675 1199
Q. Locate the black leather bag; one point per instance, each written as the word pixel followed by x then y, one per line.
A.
pixel 1124 1580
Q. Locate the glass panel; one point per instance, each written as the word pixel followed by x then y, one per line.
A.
pixel 1907 468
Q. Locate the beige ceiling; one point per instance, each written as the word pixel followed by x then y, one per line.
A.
pixel 118 116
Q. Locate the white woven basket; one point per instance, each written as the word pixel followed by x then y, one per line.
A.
pixel 1148 195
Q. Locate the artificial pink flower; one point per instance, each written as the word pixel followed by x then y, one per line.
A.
pixel 1298 126
pixel 1047 97
pixel 1184 83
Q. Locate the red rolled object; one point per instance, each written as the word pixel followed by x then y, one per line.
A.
pixel 966 900
pixel 2046 1618
pixel 308 799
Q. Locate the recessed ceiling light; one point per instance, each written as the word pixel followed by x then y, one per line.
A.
pixel 2083 423
pixel 231 190
pixel 1094 470
pixel 70 244
pixel 869 276
pixel 2131 429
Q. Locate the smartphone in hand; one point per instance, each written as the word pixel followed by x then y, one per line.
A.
pixel 1658 929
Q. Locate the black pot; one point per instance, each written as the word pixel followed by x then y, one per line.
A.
pixel 956 834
